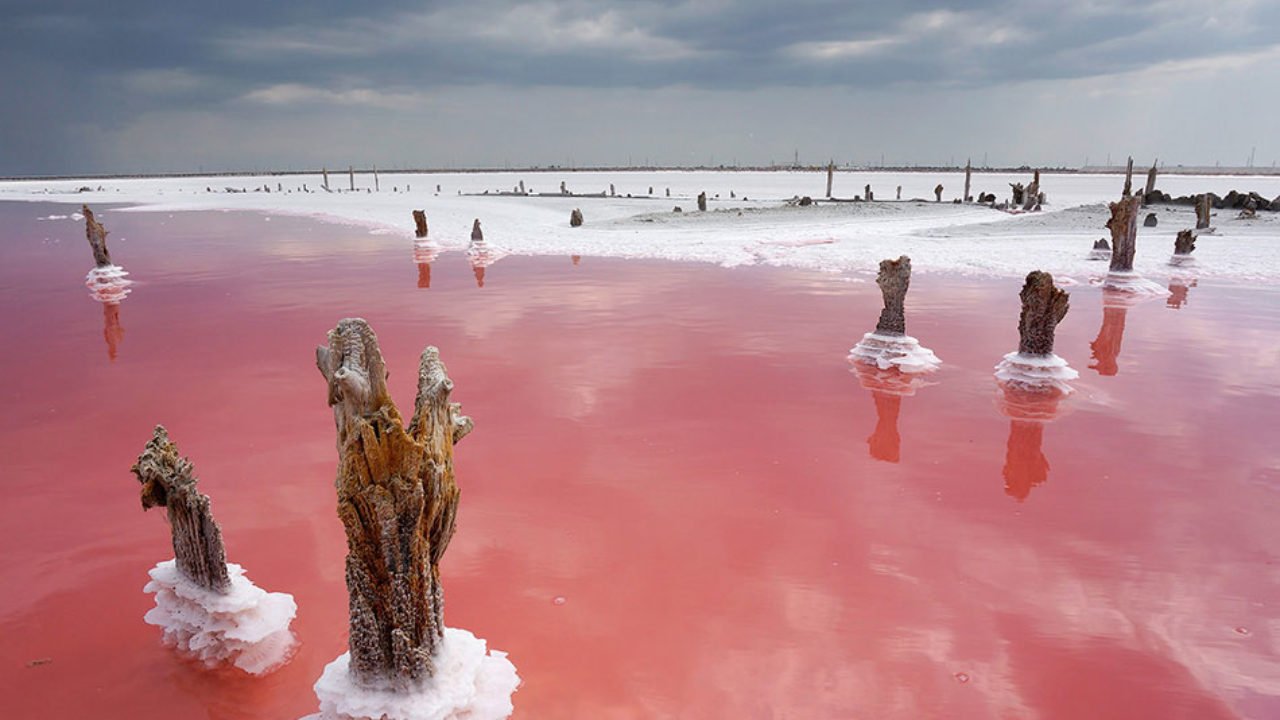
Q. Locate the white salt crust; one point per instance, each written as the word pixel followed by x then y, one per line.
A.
pixel 1132 283
pixel 247 627
pixel 1181 260
pixel 894 351
pixel 470 683
pixel 1031 372
pixel 109 284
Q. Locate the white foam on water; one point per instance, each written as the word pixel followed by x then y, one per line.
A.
pixel 1032 372
pixel 470 682
pixel 247 626
pixel 895 351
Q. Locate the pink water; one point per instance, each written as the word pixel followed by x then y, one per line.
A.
pixel 678 502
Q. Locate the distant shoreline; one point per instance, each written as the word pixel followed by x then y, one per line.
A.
pixel 1138 171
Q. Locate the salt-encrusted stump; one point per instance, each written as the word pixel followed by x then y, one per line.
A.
pixel 420 224
pixel 1034 366
pixel 575 218
pixel 937 193
pixel 889 346
pixel 1204 208
pixel 398 501
pixel 97 236
pixel 206 607
pixel 1124 233
pixel 702 201
pixel 477 234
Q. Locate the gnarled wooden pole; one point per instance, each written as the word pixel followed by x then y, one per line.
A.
pixel 937 193
pixel 97 236
pixel 398 502
pixel 1043 307
pixel 894 278
pixel 419 224
pixel 477 235
pixel 169 481
pixel 1124 232
pixel 1128 179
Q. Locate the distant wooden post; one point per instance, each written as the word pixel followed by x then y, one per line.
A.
pixel 376 186
pixel 899 192
pixel 1204 207
pixel 326 179
pixel 351 175
pixel 420 224
pixel 968 175
pixel 702 201
pixel 937 193
pixel 1032 193
pixel 831 176
pixel 1184 243
pixel 868 192
pixel 477 235
pixel 1128 179
pixel 1151 183
pixel 1124 233
pixel 575 218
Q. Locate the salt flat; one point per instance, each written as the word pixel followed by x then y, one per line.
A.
pixel 752 227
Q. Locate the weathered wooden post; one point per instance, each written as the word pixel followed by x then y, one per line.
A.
pixel 97 236
pixel 1185 243
pixel 575 218
pixel 868 194
pixel 351 175
pixel 968 176
pixel 831 176
pixel 702 201
pixel 1044 305
pixel 477 235
pixel 899 192
pixel 1124 233
pixel 326 179
pixel 1032 195
pixel 377 187
pixel 1128 179
pixel 420 224
pixel 889 346
pixel 937 193
pixel 1204 210
pixel 1151 183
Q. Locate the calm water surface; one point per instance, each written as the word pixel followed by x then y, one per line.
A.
pixel 679 501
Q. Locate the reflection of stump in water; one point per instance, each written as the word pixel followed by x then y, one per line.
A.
pixel 1025 464
pixel 424 275
pixel 423 255
pixel 1179 287
pixel 885 443
pixel 1106 347
pixel 478 271
pixel 112 330
pixel 576 259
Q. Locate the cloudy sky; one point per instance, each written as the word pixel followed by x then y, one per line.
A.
pixel 88 86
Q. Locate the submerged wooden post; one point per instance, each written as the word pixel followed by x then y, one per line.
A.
pixel 1124 232
pixel 575 218
pixel 1043 307
pixel 1128 179
pixel 1184 243
pixel 702 201
pixel 1204 208
pixel 477 235
pixel 397 500
pixel 419 223
pixel 894 278
pixel 831 176
pixel 169 481
pixel 968 175
pixel 97 236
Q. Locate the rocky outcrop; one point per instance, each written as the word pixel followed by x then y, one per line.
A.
pixel 1043 307
pixel 397 500
pixel 169 481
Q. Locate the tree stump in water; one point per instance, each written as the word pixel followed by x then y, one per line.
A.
pixel 168 481
pixel 1043 307
pixel 477 235
pixel 1184 243
pixel 97 236
pixel 420 224
pixel 1204 208
pixel 575 218
pixel 702 201
pixel 1124 233
pixel 894 278
pixel 397 500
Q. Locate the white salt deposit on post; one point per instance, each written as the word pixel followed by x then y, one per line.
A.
pixel 108 283
pixel 1034 366
pixel 889 346
pixel 245 626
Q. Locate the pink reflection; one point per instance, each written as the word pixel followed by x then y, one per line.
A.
pixel 1106 346
pixel 887 387
pixel 1025 465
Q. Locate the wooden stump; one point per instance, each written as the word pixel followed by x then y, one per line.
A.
pixel 870 196
pixel 419 223
pixel 1184 243
pixel 1043 307
pixel 1124 233
pixel 1128 180
pixel 1204 209
pixel 326 178
pixel 1031 197
pixel 1019 192
pixel 1151 184
pixel 97 236
pixel 169 481
pixel 831 177
pixel 894 278
pixel 575 218
pixel 397 500
pixel 702 201
pixel 937 193
pixel 968 176
pixel 477 235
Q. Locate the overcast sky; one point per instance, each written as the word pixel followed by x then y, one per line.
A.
pixel 94 86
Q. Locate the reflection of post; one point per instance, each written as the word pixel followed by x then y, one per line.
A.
pixel 424 275
pixel 1025 465
pixel 1178 289
pixel 1106 347
pixel 885 443
pixel 112 331
pixel 478 271
pixel 423 255
pixel 576 259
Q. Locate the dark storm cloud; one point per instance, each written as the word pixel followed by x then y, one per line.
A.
pixel 70 70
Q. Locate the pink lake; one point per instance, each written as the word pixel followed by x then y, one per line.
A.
pixel 679 500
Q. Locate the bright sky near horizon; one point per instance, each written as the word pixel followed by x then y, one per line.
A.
pixel 93 87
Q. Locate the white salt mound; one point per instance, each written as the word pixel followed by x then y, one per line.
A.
pixel 889 351
pixel 1035 372
pixel 1132 283
pixel 470 683
pixel 247 626
pixel 109 284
